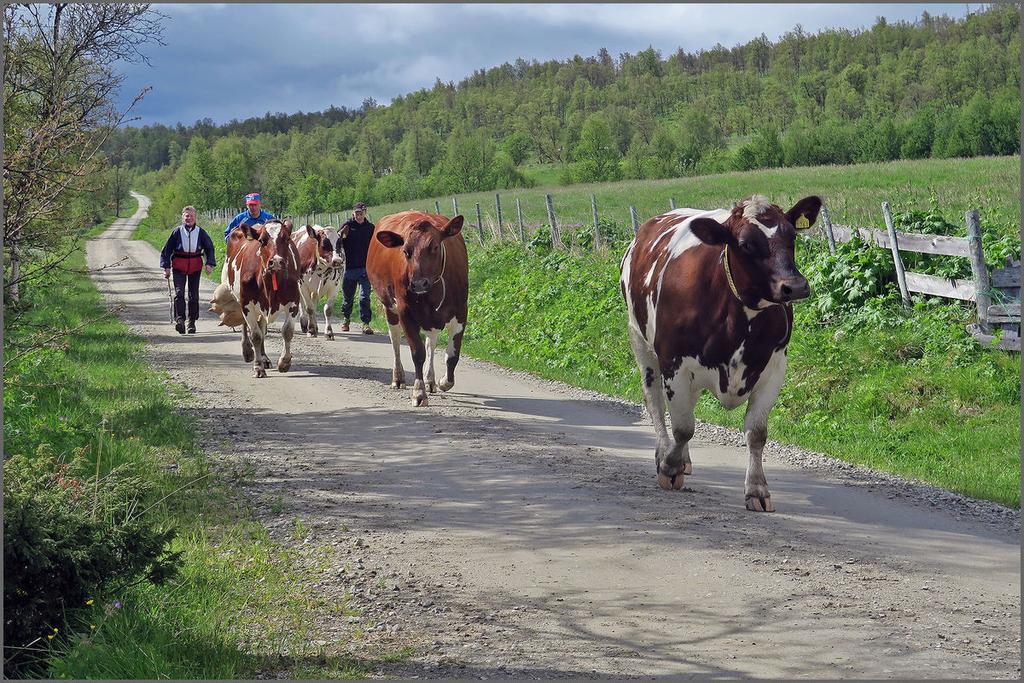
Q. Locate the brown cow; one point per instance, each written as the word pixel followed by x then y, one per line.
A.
pixel 262 270
pixel 708 294
pixel 418 268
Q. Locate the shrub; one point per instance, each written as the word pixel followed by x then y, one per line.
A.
pixel 70 537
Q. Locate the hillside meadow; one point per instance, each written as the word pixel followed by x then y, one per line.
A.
pixel 853 194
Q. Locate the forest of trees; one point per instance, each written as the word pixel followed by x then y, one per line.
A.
pixel 936 87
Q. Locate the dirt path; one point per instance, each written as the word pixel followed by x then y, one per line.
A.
pixel 515 527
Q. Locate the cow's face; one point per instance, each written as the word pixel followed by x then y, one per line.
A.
pixel 760 239
pixel 274 238
pixel 329 251
pixel 423 252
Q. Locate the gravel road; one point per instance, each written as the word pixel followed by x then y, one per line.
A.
pixel 515 527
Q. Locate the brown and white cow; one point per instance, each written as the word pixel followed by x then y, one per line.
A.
pixel 262 271
pixel 322 262
pixel 418 268
pixel 708 295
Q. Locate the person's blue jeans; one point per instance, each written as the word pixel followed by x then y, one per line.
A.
pixel 353 277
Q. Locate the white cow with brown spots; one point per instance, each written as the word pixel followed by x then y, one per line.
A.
pixel 709 298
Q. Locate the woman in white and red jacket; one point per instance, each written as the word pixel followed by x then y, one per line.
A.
pixel 184 253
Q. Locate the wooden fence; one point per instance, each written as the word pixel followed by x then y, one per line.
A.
pixel 997 298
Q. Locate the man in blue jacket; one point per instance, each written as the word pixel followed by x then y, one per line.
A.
pixel 184 253
pixel 251 216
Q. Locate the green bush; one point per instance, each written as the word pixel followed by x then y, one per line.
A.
pixel 70 537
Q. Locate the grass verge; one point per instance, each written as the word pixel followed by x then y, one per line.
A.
pixel 238 606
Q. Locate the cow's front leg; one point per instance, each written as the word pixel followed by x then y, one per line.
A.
pixel 332 294
pixel 252 329
pixel 287 330
pixel 682 397
pixel 451 353
pixel 419 356
pixel 431 345
pixel 395 332
pixel 755 426
pixel 262 349
pixel 248 354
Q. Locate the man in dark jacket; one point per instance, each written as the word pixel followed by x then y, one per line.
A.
pixel 356 234
pixel 184 253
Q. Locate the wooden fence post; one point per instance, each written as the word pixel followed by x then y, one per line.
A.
pixel 901 276
pixel 497 208
pixel 437 207
pixel 597 228
pixel 978 269
pixel 522 231
pixel 632 217
pixel 480 224
pixel 455 204
pixel 672 203
pixel 556 239
pixel 828 229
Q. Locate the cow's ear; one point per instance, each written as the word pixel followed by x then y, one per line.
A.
pixel 454 227
pixel 310 232
pixel 263 235
pixel 710 231
pixel 389 239
pixel 804 212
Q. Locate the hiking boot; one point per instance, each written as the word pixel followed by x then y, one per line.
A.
pixel 179 325
pixel 344 326
pixel 367 329
pixel 191 326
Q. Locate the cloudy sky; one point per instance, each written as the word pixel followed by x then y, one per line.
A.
pixel 239 60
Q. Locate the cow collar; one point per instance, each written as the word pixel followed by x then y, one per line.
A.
pixel 440 278
pixel 732 283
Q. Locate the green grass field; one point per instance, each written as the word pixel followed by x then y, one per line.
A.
pixel 854 194
pixel 238 605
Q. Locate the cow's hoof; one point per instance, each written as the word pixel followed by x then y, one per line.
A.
pixel 398 385
pixel 284 364
pixel 259 372
pixel 670 483
pixel 445 385
pixel 330 335
pixel 266 363
pixel 248 355
pixel 758 503
pixel 419 394
pixel 431 387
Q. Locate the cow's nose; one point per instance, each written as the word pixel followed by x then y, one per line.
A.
pixel 277 263
pixel 795 289
pixel 420 285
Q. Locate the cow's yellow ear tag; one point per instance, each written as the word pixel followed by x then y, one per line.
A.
pixel 802 223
